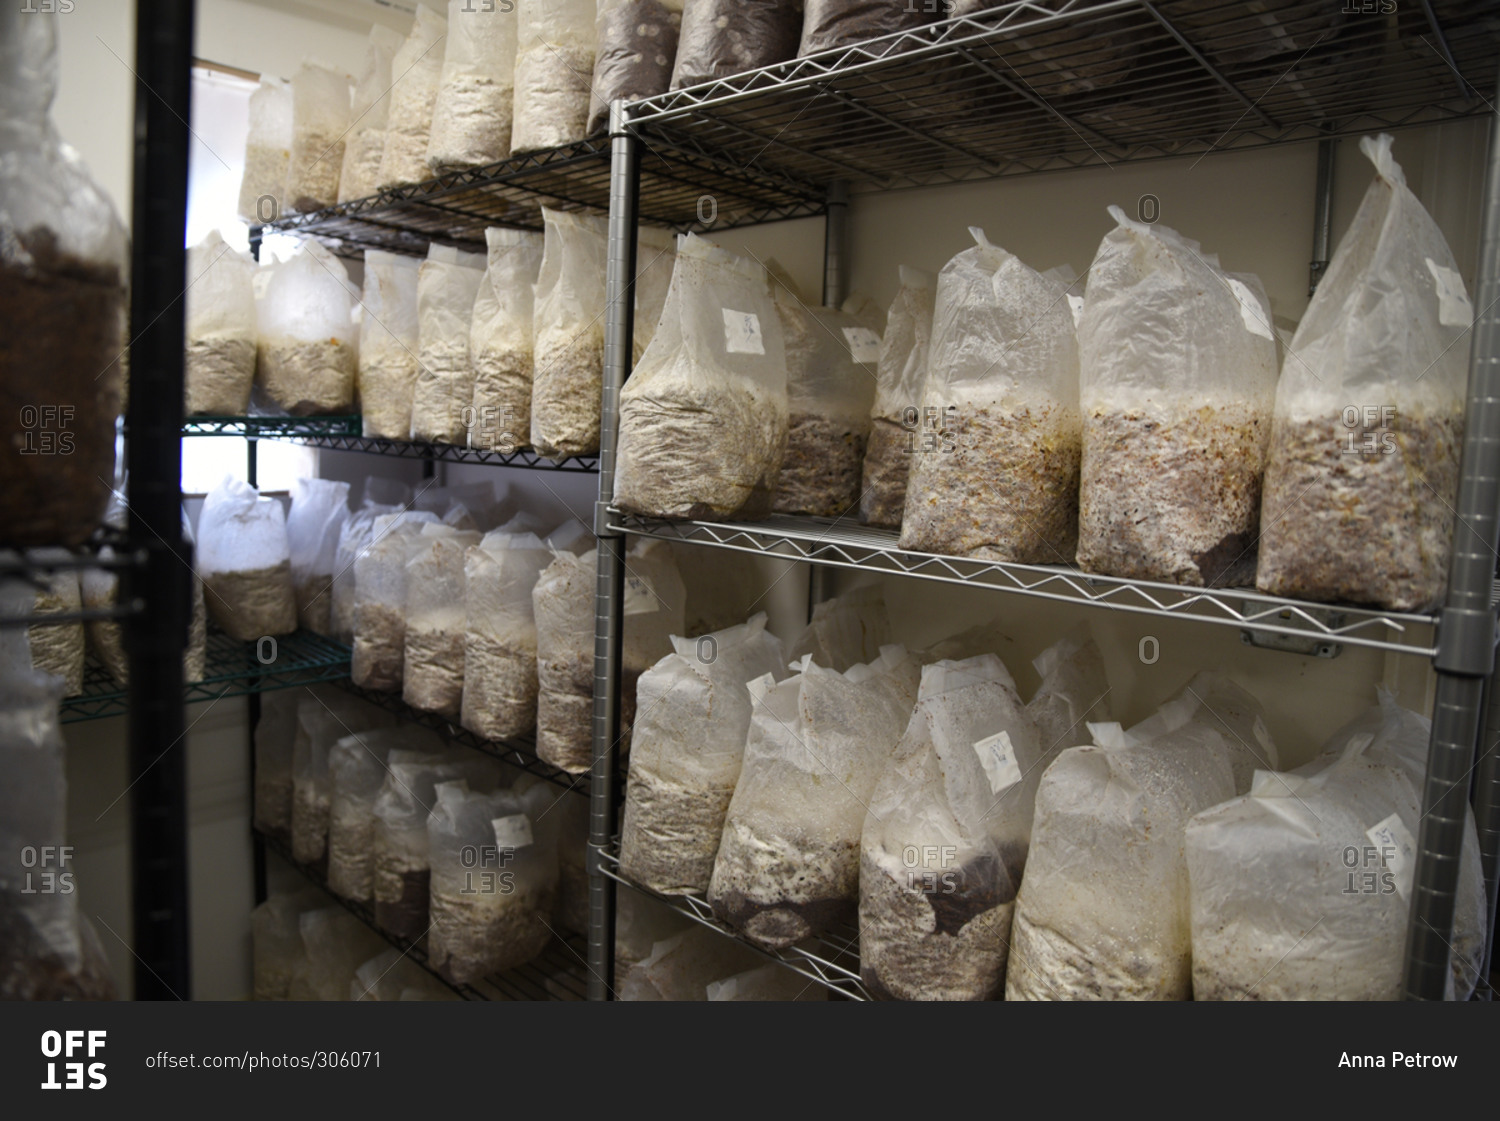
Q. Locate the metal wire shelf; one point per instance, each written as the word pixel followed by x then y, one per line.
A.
pixel 1029 86
pixel 830 959
pixel 272 427
pixel 555 974
pixel 847 545
pixel 455 209
pixel 519 751
pixel 452 453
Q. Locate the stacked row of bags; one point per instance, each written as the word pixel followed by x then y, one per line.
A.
pixel 436 839
pixel 1141 430
pixel 984 844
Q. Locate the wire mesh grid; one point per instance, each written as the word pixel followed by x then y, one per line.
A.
pixel 1030 86
pixel 271 427
pixel 452 453
pixel 848 545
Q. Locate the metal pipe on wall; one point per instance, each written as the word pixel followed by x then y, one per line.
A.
pixel 1466 631
pixel 1322 212
pixel 619 317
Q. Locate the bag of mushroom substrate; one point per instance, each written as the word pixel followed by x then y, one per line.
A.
pixel 245 562
pixel 895 418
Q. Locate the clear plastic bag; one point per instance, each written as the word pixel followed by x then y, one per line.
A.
pixel 1073 694
pixel 63 271
pixel 379 651
pixel 320 509
pixel 771 981
pixel 703 420
pixel 554 66
pixel 830 24
pixel 277 952
pixel 636 46
pixel 306 357
pixel 324 717
pixel 417 71
pixel 830 389
pixel 996 472
pixel 568 335
pixel 694 712
pixel 655 257
pixel 720 38
pixel 500 642
pixel 845 631
pixel 895 419
pixel 219 364
pixel 944 839
pixel 244 561
pixel 388 342
pixel 433 677
pixel 471 118
pixel 58 648
pixel 336 944
pixel 1177 364
pixel 268 149
pixel 500 344
pixel 357 768
pixel 369 112
pixel 788 860
pixel 382 496
pixel 683 966
pixel 320 123
pixel 446 285
pixel 1362 472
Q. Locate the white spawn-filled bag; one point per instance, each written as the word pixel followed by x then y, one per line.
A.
pixel 999 480
pixel 357 769
pixel 416 70
pixel 369 112
pixel 446 285
pixel 382 496
pixel 58 648
pixel 845 630
pixel 336 944
pixel 554 66
pixel 1177 367
pixel 683 966
pixel 1103 912
pixel 433 677
pixel 379 651
pixel 320 123
pixel 689 740
pixel 703 420
pixel 500 343
pixel 788 861
pixel 943 844
pixel 500 674
pixel 655 257
pixel 306 356
pixel 1211 700
pixel 472 114
pixel 324 716
pixel 320 507
pixel 244 561
pixel 830 388
pixel 1362 472
pixel 268 147
pixel 219 363
pixel 1073 694
pixel 568 335
pixel 896 418
pixel 388 343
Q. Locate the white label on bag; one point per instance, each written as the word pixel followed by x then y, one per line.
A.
pixel 742 332
pixel 1398 849
pixel 513 832
pixel 1251 309
pixel 864 344
pixel 639 598
pixel 1075 304
pixel 998 758
pixel 1454 308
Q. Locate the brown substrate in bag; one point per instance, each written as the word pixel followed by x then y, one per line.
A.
pixel 499 688
pixel 778 889
pixel 1046 965
pixel 314 596
pixel 482 932
pixel 273 805
pixel 218 373
pixel 308 379
pixel 401 898
pixel 379 651
pixel 433 677
pixel 502 400
pixel 30 969
pixel 252 604
pixel 59 395
pixel 1361 514
pixel 565 393
pixel 309 825
pixel 387 381
pixel 671 833
pixel 887 464
pixel 821 470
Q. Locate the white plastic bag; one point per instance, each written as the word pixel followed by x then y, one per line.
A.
pixel 500 345
pixel 268 147
pixel 382 496
pixel 336 944
pixel 433 677
pixel 324 717
pixel 500 675
pixel 219 363
pixel 1073 694
pixel 703 419
pixel 694 710
pixel 416 71
pixel 1177 366
pixel 554 65
pixel 472 114
pixel 1362 472
pixel 788 861
pixel 568 335
pixel 944 840
pixel 357 769
pixel 684 965
pixel 277 953
pixel 244 561
pixel 306 353
pixel 636 44
pixel 446 285
pixel 369 112
pixel 320 123
pixel 830 389
pixel 845 631
pixel 999 480
pixel 320 507
pixel 379 651
pixel 655 257
pixel 388 342
pixel 895 418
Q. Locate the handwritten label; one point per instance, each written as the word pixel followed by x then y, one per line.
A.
pixel 513 832
pixel 742 332
pixel 864 344
pixel 1398 849
pixel 1075 303
pixel 1251 309
pixel 997 755
pixel 1454 308
pixel 640 599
